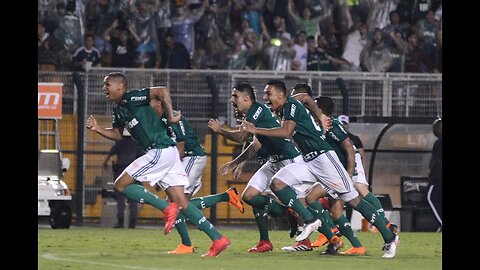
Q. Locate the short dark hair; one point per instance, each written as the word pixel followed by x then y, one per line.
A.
pixel 280 85
pixel 326 104
pixel 303 88
pixel 118 75
pixel 245 88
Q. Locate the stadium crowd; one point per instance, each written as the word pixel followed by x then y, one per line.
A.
pixel 326 35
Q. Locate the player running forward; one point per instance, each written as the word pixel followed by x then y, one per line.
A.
pixel 280 153
pixel 160 165
pixel 321 160
pixel 194 161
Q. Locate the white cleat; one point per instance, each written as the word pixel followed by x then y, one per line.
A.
pixel 391 248
pixel 308 229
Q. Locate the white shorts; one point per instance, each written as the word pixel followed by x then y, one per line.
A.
pixel 328 170
pixel 159 166
pixel 263 177
pixel 194 166
pixel 298 177
pixel 360 177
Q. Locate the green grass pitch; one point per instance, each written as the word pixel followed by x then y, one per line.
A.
pixel 146 249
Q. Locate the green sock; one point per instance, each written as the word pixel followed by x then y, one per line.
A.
pixel 289 198
pixel 140 194
pixel 201 222
pixel 316 209
pixel 258 201
pixel 369 212
pixel 209 201
pixel 346 229
pixel 181 225
pixel 373 200
pixel 275 209
pixel 262 222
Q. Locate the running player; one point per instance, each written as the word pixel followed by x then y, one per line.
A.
pixel 280 153
pixel 321 160
pixel 161 163
pixel 194 161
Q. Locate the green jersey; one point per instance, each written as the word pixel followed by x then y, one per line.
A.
pixel 277 148
pixel 308 135
pixel 136 115
pixel 183 132
pixel 335 136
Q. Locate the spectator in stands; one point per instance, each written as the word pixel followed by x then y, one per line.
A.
pixel 163 18
pixel 48 49
pixel 416 58
pixel 306 22
pixel 86 56
pixel 70 33
pixel 279 56
pixel 126 151
pixel 328 60
pixel 434 195
pixel 174 54
pixel 393 27
pixel 345 120
pixel 147 52
pixel 426 30
pixel 377 56
pixel 354 45
pixel 183 25
pixel 301 48
pixel 378 16
pixel 220 9
pixel 123 46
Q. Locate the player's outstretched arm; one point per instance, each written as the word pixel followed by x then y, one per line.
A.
pixel 109 133
pixel 162 93
pixel 238 136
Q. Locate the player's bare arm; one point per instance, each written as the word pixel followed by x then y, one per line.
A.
pixel 246 154
pixel 109 133
pixel 162 93
pixel 347 146
pixel 285 131
pixel 318 114
pixel 238 136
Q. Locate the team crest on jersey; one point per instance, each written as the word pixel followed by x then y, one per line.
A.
pixel 257 113
pixel 292 111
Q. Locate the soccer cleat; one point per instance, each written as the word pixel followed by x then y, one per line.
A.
pixel 304 245
pixel 355 251
pixel 182 249
pixel 391 248
pixel 217 247
pixel 170 215
pixel 235 199
pixel 392 227
pixel 334 246
pixel 308 229
pixel 262 246
pixel 292 219
pixel 321 240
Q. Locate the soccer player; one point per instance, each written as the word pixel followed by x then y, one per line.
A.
pixel 321 160
pixel 279 152
pixel 161 163
pixel 194 161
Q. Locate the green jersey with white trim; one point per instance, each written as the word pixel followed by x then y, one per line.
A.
pixel 277 148
pixel 335 136
pixel 308 134
pixel 136 115
pixel 183 132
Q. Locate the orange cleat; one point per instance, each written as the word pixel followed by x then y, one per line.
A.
pixel 321 240
pixel 262 246
pixel 235 199
pixel 170 215
pixel 182 249
pixel 355 251
pixel 217 247
pixel 392 227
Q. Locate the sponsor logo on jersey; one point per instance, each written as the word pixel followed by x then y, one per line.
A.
pixel 292 111
pixel 132 123
pixel 138 98
pixel 257 113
